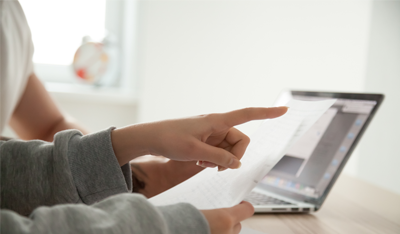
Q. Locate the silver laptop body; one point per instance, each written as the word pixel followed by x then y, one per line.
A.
pixel 302 179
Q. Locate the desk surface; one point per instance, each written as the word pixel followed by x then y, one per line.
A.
pixel 353 206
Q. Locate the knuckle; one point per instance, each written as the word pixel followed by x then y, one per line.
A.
pixel 190 147
pixel 212 121
pixel 209 117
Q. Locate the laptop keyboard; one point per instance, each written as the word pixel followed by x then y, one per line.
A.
pixel 262 199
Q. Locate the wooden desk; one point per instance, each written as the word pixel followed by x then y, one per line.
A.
pixel 353 206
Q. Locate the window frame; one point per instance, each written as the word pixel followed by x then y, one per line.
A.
pixel 121 21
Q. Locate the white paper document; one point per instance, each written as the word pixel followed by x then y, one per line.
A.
pixel 211 189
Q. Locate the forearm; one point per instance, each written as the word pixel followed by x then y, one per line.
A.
pixel 65 123
pixel 131 142
pixel 37 116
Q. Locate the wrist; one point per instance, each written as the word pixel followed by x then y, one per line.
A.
pixel 129 143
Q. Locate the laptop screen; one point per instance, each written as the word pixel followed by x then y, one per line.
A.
pixel 309 166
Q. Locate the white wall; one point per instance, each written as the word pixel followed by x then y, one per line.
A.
pixel 379 150
pixel 206 56
pixel 213 56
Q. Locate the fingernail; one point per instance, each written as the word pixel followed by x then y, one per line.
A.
pixel 230 162
pixel 200 163
pixel 236 164
pixel 221 168
pixel 208 164
pixel 205 164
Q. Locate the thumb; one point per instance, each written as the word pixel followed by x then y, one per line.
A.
pixel 241 211
pixel 217 156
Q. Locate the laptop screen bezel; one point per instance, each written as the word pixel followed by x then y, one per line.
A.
pixel 317 202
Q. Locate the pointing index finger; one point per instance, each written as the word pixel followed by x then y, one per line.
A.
pixel 237 117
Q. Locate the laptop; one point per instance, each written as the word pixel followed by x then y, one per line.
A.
pixel 302 179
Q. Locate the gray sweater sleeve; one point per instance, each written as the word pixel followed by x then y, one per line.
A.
pixel 72 175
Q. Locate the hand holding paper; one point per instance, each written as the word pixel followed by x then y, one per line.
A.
pixel 211 189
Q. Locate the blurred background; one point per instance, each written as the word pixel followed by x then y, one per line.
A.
pixel 183 58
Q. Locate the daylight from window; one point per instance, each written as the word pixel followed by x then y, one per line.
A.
pixel 58 31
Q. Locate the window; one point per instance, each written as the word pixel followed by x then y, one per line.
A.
pixel 58 27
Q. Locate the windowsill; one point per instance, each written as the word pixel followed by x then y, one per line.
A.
pixel 87 93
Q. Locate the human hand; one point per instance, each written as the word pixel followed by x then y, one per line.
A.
pixel 207 138
pixel 152 175
pixel 227 220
